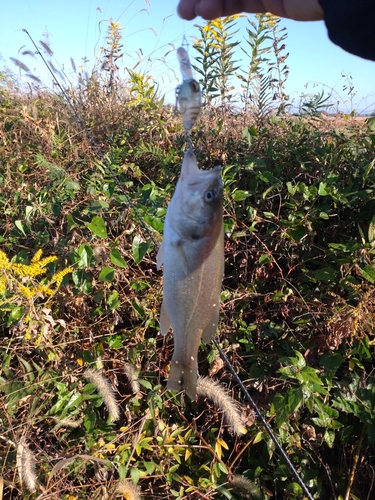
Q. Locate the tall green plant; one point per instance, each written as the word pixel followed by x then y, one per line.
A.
pixel 111 53
pixel 263 81
pixel 216 57
pixel 279 70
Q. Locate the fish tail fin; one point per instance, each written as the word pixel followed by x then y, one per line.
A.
pixel 183 375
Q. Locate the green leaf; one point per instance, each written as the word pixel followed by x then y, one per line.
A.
pixel 140 248
pixel 28 211
pixel 325 274
pixel 75 400
pixel 82 280
pixel 89 421
pixel 83 257
pixel 116 259
pixel 368 272
pixel 293 400
pixel 229 225
pixel 295 488
pixel 16 313
pixel 331 361
pixel 71 223
pixel 298 232
pixel 71 185
pixel 361 348
pixel 97 226
pixel 21 228
pixel 156 223
pixel 223 468
pixel 329 438
pixel 265 259
pixel 113 301
pixel 107 274
pixel 307 375
pixel 324 190
pixel 122 470
pixel 135 474
pixel 115 343
pixel 145 383
pixel 240 195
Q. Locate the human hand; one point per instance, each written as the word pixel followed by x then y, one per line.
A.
pixel 300 10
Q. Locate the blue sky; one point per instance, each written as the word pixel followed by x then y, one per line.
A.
pixel 76 28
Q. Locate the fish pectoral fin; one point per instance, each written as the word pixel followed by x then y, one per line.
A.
pixel 209 331
pixel 165 322
pixel 179 254
pixel 160 256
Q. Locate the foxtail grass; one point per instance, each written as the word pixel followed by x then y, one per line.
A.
pixel 105 390
pixel 26 466
pixel 212 390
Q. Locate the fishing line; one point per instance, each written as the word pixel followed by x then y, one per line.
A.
pixel 263 420
pixel 130 204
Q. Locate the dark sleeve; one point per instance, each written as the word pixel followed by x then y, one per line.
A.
pixel 351 25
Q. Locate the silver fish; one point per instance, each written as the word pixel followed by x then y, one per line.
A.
pixel 192 253
pixel 188 94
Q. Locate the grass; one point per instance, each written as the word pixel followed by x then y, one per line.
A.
pixel 83 410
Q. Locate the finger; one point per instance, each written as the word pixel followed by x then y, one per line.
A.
pixel 210 9
pixel 186 9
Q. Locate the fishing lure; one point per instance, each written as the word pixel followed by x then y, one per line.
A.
pixel 188 94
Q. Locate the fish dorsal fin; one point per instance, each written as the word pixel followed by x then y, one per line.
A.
pixel 160 256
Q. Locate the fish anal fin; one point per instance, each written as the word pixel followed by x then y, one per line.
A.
pixel 160 256
pixel 165 322
pixel 209 331
pixel 183 375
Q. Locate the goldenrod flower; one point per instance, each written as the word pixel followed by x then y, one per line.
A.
pixel 44 289
pixel 58 277
pixel 35 268
pixel 3 283
pixel 26 291
pixel 22 287
pixel 28 269
pixel 4 261
pixel 37 256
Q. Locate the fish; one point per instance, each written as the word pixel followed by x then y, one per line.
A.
pixel 192 254
pixel 188 93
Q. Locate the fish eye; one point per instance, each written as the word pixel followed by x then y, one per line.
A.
pixel 209 196
pixel 195 86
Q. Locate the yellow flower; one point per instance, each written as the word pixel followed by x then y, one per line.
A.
pixel 35 268
pixel 43 289
pixel 3 283
pixel 58 277
pixel 26 291
pixel 28 270
pixel 37 256
pixel 4 261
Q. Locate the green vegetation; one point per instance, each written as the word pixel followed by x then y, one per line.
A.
pixel 83 408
